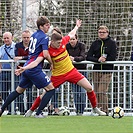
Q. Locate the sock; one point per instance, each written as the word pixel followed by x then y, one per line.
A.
pixel 45 99
pixel 92 98
pixel 9 99
pixel 36 103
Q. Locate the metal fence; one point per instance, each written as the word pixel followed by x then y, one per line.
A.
pixel 120 89
pixel 17 15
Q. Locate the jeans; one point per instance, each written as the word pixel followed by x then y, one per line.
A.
pixel 79 98
pixel 54 99
pixel 79 94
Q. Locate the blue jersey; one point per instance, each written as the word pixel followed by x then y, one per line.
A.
pixel 38 42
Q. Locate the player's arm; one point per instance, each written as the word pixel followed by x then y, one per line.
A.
pixel 73 32
pixel 47 56
pixel 29 66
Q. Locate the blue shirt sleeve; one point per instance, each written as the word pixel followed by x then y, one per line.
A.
pixel 45 42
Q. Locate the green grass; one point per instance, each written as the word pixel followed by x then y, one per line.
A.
pixel 66 124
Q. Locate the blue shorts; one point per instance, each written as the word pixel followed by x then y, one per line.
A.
pixel 39 79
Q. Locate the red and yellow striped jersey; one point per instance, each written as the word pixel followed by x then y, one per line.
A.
pixel 61 61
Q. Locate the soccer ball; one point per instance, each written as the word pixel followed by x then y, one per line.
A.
pixel 64 111
pixel 117 112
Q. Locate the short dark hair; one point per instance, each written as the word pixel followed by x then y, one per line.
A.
pixel 56 37
pixel 57 30
pixel 41 21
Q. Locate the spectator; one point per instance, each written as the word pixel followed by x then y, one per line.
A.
pixel 21 48
pixel 76 50
pixel 21 53
pixel 103 49
pixel 6 53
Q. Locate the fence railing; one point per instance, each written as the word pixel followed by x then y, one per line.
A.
pixel 120 91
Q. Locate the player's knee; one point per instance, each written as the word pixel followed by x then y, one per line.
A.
pixel 20 90
pixel 49 87
pixel 89 89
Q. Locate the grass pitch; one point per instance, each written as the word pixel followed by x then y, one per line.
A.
pixel 66 124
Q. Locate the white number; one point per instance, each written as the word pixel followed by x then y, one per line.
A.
pixel 32 44
pixel 47 78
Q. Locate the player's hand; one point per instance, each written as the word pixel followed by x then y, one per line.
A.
pixel 78 23
pixel 19 71
pixel 51 67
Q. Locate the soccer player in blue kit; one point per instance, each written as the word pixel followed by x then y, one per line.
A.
pixel 39 42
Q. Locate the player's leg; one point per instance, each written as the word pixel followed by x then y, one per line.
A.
pixel 24 83
pixel 91 95
pixel 56 80
pixel 96 82
pixel 6 86
pixel 45 99
pixel 11 97
pixel 35 105
pixel 37 101
pixel 76 77
pixel 41 80
pixel 42 102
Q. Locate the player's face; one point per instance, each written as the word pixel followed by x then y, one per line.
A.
pixel 46 27
pixel 56 44
pixel 102 33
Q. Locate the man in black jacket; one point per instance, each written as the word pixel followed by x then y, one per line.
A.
pixel 103 49
pixel 76 51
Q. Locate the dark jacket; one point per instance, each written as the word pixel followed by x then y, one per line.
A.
pixel 21 51
pixel 98 48
pixel 78 52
